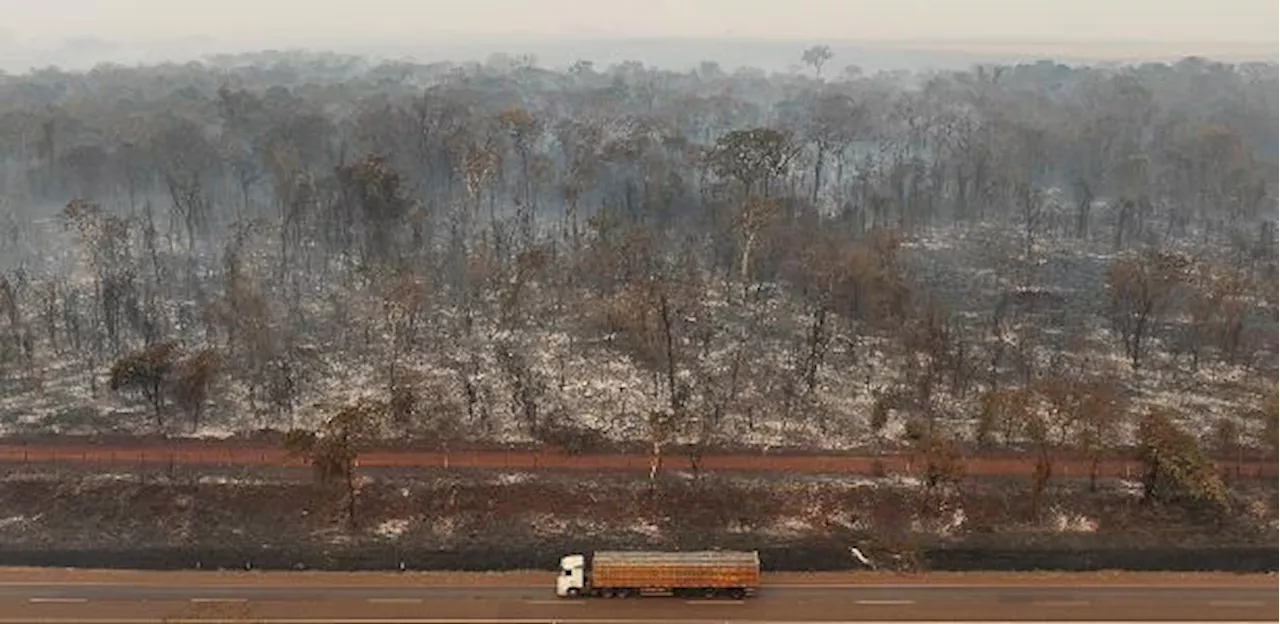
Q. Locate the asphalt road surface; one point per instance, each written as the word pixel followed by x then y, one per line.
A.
pixel 103 603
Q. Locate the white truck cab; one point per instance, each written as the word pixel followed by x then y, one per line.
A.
pixel 572 580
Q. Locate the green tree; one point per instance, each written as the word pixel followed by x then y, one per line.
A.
pixel 752 157
pixel 1175 469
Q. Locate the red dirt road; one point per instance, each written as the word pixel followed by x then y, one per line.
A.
pixel 196 453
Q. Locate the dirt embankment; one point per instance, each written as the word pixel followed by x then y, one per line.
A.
pixel 1103 578
pixel 496 520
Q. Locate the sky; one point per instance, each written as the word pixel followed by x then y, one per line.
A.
pixel 317 22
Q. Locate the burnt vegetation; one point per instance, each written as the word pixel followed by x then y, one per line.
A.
pixel 1040 258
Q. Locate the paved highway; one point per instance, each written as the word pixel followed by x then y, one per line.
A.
pixel 280 603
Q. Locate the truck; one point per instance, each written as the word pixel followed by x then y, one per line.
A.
pixel 622 574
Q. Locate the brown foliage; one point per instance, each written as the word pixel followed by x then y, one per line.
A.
pixel 932 338
pixel 146 371
pixel 1216 304
pixel 1053 414
pixel 1003 413
pixel 193 377
pixel 622 253
pixel 623 317
pixel 403 296
pixel 877 287
pixel 942 455
pixel 944 463
pixel 530 265
pixel 332 451
pixel 1141 287
pixel 1102 411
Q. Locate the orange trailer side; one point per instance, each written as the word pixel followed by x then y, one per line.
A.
pixel 676 570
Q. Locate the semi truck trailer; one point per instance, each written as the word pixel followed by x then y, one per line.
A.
pixel 620 574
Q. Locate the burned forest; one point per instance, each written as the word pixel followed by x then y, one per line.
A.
pixel 1037 258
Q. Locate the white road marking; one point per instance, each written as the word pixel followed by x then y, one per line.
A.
pixel 219 600
pixel 1061 603
pixel 554 602
pixel 395 600
pixel 886 603
pixel 57 600
pixel 1236 603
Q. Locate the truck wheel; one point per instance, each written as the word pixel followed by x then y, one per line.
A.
pixel 573 592
pixel 737 593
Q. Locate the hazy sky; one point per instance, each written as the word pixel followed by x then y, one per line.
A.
pixel 315 22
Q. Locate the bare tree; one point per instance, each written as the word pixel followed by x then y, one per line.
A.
pixel 834 120
pixel 816 57
pixel 403 296
pixel 106 242
pixel 524 131
pixel 1140 288
pixel 193 378
pixel 186 160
